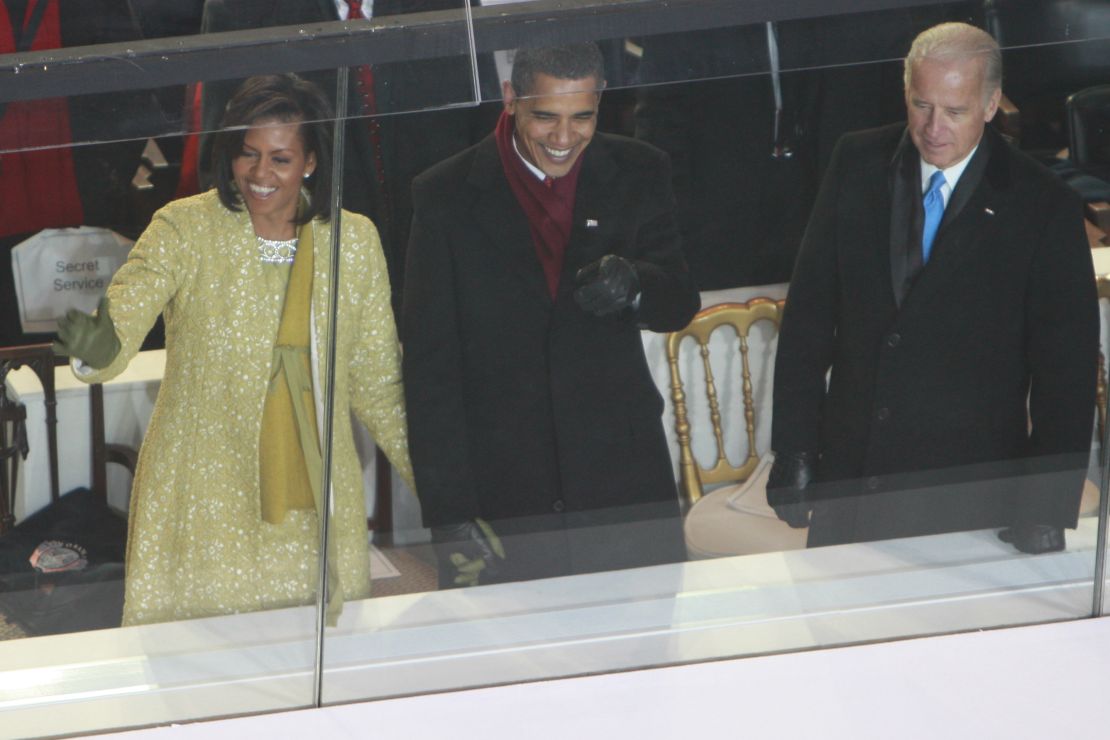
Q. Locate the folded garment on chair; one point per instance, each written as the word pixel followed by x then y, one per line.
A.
pixel 61 569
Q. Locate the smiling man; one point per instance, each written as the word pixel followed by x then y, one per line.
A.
pixel 937 359
pixel 536 257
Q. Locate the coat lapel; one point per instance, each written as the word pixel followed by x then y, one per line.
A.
pixel 968 220
pixel 593 205
pixel 500 217
pixel 968 186
pixel 905 217
pixel 594 212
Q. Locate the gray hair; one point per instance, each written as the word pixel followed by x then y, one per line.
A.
pixel 569 62
pixel 958 41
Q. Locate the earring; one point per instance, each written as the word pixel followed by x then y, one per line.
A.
pixel 307 175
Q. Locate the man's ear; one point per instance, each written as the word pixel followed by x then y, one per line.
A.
pixel 992 105
pixel 508 97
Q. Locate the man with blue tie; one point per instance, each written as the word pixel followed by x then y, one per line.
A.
pixel 937 360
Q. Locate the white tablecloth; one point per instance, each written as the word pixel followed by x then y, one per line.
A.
pixel 128 403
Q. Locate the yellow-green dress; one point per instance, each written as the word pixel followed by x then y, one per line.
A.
pixel 197 545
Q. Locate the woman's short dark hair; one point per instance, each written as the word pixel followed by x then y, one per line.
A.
pixel 286 98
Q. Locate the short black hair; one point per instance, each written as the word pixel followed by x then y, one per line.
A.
pixel 286 98
pixel 568 62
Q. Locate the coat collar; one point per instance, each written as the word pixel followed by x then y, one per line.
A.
pixel 501 218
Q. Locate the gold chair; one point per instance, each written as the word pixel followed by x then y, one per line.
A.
pixel 732 519
pixel 104 452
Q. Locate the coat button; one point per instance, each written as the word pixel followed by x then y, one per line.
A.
pixel 882 414
pixel 558 506
pixel 893 339
pixel 873 483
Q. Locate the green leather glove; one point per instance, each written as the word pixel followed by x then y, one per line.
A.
pixel 91 339
pixel 472 549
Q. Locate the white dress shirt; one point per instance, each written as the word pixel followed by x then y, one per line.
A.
pixel 344 10
pixel 951 175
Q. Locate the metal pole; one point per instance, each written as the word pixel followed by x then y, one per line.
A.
pixel 779 148
pixel 473 46
pixel 1103 512
pixel 329 375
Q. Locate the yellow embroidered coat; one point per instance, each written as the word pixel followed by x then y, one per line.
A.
pixel 196 544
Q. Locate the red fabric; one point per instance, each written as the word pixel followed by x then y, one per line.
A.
pixel 365 82
pixel 548 203
pixel 188 182
pixel 365 72
pixel 38 186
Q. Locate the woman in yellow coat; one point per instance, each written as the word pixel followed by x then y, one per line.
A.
pixel 225 502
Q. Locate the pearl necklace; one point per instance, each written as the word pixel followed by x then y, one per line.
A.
pixel 277 251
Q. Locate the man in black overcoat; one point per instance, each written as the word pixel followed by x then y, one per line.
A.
pixel 959 345
pixel 536 257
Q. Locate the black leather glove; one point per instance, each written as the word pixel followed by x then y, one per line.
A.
pixel 472 549
pixel 607 286
pixel 91 339
pixel 1034 538
pixel 790 475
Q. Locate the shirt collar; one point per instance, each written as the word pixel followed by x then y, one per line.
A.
pixel 531 167
pixel 951 174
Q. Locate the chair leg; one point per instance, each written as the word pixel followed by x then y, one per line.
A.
pixel 99 449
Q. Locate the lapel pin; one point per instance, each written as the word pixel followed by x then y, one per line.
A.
pixel 988 211
pixel 591 223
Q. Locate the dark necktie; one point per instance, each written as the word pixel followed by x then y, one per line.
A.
pixel 934 211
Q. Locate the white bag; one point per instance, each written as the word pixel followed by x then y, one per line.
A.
pixel 59 269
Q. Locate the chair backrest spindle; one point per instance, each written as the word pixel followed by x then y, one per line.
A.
pixel 741 317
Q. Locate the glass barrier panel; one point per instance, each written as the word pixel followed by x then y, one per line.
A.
pixel 948 405
pixel 1098 517
pixel 111 71
pixel 215 614
pixel 553 414
pixel 218 528
pixel 648 43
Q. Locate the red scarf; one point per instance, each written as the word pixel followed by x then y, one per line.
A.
pixel 549 207
pixel 38 188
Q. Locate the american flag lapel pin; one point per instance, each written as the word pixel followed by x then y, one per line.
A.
pixel 591 223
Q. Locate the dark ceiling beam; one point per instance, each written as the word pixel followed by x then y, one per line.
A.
pixel 174 61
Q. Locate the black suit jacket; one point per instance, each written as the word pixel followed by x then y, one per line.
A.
pixel 532 413
pixel 967 403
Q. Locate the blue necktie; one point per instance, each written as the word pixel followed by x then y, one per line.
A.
pixel 934 210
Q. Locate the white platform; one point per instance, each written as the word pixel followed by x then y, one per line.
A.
pixel 1046 681
pixel 404 645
